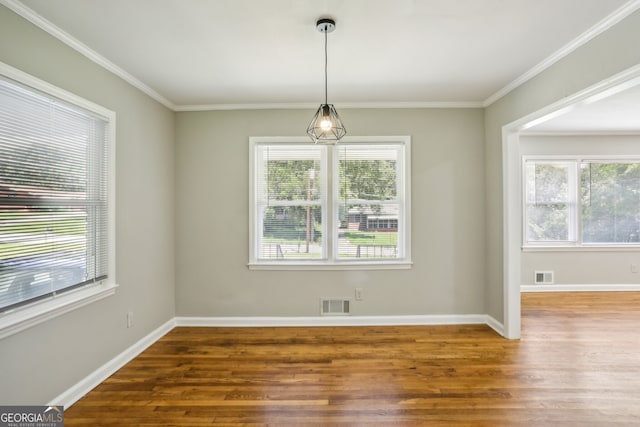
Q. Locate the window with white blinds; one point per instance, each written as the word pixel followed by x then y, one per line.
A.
pixel 53 195
pixel 333 205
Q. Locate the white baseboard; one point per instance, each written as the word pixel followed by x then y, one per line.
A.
pixel 77 391
pixel 580 288
pixel 495 325
pixel 446 319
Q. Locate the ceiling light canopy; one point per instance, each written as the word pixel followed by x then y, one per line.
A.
pixel 326 126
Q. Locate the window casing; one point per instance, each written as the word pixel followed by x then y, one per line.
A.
pixel 329 206
pixel 56 201
pixel 581 201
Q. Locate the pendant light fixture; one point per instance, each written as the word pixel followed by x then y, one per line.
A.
pixel 326 126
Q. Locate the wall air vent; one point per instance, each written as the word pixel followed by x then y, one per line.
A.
pixel 543 277
pixel 334 307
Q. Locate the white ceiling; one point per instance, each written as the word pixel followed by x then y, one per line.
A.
pixel 192 54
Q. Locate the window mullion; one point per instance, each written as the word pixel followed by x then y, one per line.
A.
pixel 574 200
pixel 329 206
pixel 578 203
pixel 402 208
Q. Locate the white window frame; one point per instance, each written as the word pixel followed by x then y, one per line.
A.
pixel 330 200
pixel 575 222
pixel 23 317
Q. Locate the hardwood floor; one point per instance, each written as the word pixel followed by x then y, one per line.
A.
pixel 577 364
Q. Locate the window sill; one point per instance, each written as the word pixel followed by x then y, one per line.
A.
pixel 379 265
pixel 22 318
pixel 608 248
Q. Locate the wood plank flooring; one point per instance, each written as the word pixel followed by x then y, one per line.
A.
pixel 577 364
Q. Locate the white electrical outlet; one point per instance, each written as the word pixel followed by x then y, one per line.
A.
pixel 359 294
pixel 634 268
pixel 129 319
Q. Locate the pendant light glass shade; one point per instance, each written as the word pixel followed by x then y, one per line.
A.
pixel 326 126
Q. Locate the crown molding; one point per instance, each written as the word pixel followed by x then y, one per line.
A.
pixel 599 28
pixel 582 133
pixel 345 105
pixel 40 22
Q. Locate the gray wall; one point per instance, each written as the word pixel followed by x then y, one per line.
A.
pixel 41 362
pixel 579 266
pixel 611 52
pixel 212 218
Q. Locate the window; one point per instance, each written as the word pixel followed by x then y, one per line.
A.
pixel 330 205
pixel 582 202
pixel 610 194
pixel 55 192
pixel 550 201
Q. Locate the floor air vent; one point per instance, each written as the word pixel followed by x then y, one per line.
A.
pixel 544 278
pixel 334 307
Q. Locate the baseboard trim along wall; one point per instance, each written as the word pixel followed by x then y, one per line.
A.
pixel 77 391
pixel 581 288
pixel 84 386
pixel 468 319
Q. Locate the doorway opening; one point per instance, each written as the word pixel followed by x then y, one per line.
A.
pixel 566 115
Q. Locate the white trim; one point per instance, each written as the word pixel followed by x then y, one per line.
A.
pixel 495 325
pixel 583 133
pixel 88 383
pixel 340 106
pixel 599 28
pixel 319 266
pixel 594 158
pixel 581 288
pixel 66 38
pixel 588 248
pixel 12 322
pixel 512 229
pixel 279 321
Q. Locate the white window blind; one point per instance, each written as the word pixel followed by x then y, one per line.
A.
pixel 370 202
pixel 53 195
pixel 290 187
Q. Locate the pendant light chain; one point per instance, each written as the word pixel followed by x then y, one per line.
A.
pixel 326 97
